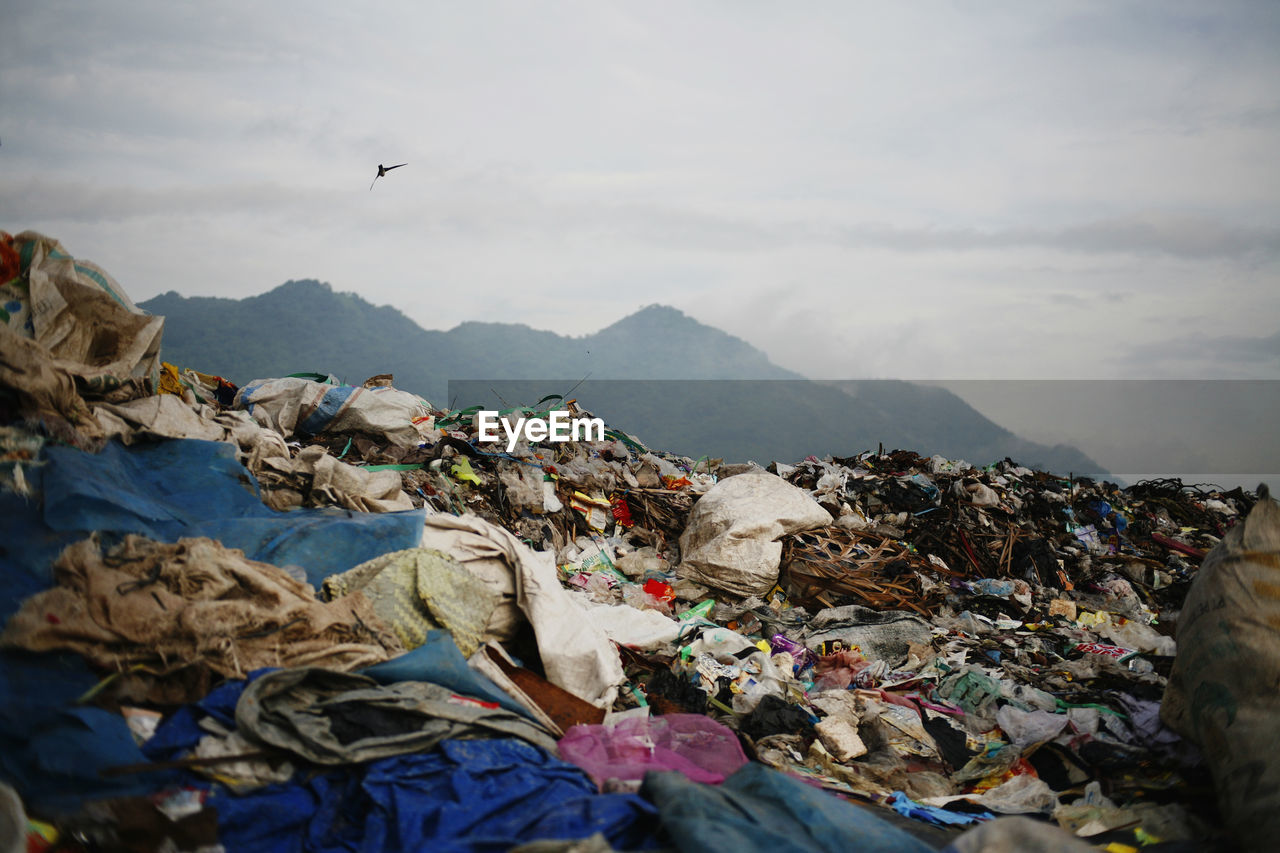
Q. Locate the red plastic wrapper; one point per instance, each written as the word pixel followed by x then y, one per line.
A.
pixel 1120 654
pixel 660 590
pixel 621 512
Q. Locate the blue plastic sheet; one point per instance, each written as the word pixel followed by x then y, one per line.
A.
pixel 51 750
pixel 907 807
pixel 184 487
pixel 180 731
pixel 469 795
pixel 27 546
pixel 439 661
pixel 760 810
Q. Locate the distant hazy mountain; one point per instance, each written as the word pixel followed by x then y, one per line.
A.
pixel 307 327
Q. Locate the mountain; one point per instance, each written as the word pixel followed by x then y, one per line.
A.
pixel 676 346
pixel 659 374
pixel 300 327
pixel 307 327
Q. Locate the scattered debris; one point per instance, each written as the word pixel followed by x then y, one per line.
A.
pixel 933 643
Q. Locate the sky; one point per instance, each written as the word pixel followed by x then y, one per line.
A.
pixel 926 190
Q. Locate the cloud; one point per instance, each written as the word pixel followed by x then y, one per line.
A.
pixel 1248 349
pixel 1187 238
pixel 1194 355
pixel 1191 238
pixel 955 190
pixel 493 203
pixel 1071 300
pixel 84 202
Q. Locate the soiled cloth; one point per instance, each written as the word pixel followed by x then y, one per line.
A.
pixel 82 322
pixel 343 718
pixel 192 604
pixel 420 589
pixel 879 635
pixel 312 478
pixel 575 651
pixel 45 391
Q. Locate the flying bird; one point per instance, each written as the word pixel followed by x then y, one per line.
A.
pixel 382 170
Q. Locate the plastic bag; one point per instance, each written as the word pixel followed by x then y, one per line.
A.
pixel 692 744
pixel 1222 690
pixel 731 540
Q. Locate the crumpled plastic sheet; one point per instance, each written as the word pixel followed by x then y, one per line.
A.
pixel 627 626
pixel 468 796
pixel 775 716
pixel 51 749
pixel 762 810
pixel 971 689
pixel 692 744
pixel 187 487
pixel 1017 835
pixel 907 807
pixel 440 661
pixel 879 635
pixel 1022 794
pixel 1150 731
pixel 293 405
pixel 1028 728
pixel 731 540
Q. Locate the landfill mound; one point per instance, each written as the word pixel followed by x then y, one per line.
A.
pixel 299 615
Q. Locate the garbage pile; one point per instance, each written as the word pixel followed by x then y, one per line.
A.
pixel 300 614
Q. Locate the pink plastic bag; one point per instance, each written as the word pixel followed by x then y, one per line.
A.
pixel 697 746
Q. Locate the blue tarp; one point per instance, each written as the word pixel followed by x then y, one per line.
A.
pixel 468 795
pixel 439 661
pixel 51 749
pixel 179 488
pixel 760 810
pixel 28 546
pixel 478 796
pixel 907 807
pixel 166 491
pixel 180 731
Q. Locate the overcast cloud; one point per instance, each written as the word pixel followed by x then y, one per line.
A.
pixel 946 190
